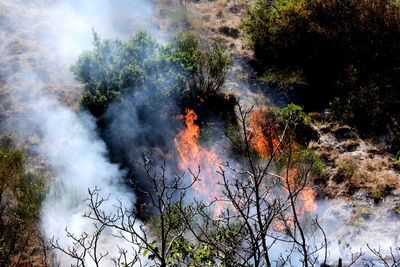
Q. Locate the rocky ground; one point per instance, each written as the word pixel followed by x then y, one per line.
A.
pixel 354 164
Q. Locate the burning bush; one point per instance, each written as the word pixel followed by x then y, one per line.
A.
pixel 345 52
pixel 267 126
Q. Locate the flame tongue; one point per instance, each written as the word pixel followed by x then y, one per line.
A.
pixel 307 194
pixel 187 143
pixel 264 139
pixel 262 133
pixel 193 156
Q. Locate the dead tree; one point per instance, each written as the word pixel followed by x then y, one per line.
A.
pixel 154 242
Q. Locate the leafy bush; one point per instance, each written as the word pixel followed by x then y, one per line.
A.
pixel 201 70
pixel 114 68
pixel 204 65
pixel 184 68
pixel 298 123
pixel 347 52
pixel 282 78
pixel 21 196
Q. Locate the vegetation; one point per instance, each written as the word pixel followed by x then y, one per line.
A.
pixel 202 69
pixel 262 207
pixel 113 70
pixel 345 53
pixel 21 195
pixel 339 53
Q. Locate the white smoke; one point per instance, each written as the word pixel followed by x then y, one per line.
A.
pixel 40 40
pixel 79 161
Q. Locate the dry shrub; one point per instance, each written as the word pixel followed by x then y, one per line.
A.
pixel 346 166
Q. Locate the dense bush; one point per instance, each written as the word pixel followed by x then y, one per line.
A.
pixel 21 194
pixel 184 68
pixel 347 52
pixel 204 65
pixel 202 69
pixel 115 68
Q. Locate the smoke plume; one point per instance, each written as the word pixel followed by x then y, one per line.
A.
pixel 40 40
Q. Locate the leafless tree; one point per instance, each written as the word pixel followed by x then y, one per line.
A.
pixel 391 259
pixel 153 240
pixel 83 246
pixel 262 222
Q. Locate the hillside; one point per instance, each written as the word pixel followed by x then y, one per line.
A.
pixel 199 133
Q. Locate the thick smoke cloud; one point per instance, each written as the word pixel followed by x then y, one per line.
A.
pixel 39 42
pixel 78 159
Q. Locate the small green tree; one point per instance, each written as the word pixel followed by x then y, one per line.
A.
pixel 203 66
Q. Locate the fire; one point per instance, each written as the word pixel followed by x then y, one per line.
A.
pixel 264 139
pixel 262 133
pixel 192 156
pixel 283 224
pixel 307 194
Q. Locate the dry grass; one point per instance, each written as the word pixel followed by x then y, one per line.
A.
pixel 210 16
pixel 355 164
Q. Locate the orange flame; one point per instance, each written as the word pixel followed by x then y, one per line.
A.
pixel 307 194
pixel 307 198
pixel 262 133
pixel 192 156
pixel 282 225
pixel 264 139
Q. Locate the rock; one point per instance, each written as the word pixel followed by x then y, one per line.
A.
pixel 234 8
pixel 350 145
pixel 396 212
pixel 396 166
pixel 326 128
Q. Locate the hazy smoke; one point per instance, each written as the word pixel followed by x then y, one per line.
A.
pixel 79 161
pixel 71 22
pixel 40 40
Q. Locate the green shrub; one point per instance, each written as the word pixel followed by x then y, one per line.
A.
pixel 283 78
pixel 113 69
pixel 376 194
pixel 183 68
pixel 204 66
pixel 298 123
pixel 21 196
